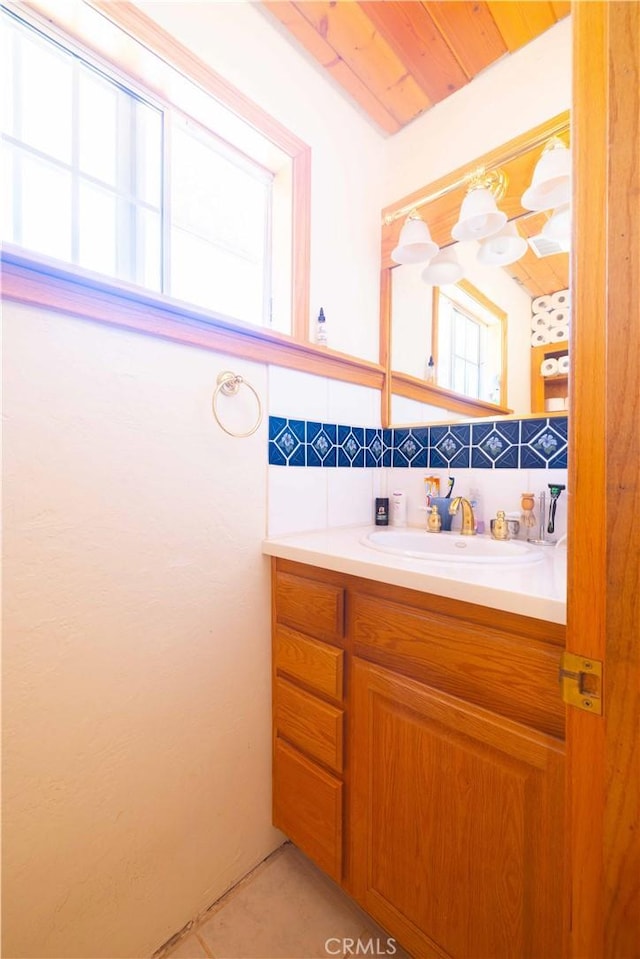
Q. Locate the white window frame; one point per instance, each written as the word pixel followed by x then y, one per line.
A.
pixel 467 300
pixel 126 265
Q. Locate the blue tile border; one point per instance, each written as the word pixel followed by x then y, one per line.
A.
pixel 539 443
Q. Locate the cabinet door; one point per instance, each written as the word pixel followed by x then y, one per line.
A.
pixel 456 823
pixel 307 807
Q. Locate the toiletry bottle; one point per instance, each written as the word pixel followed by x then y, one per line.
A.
pixel 430 373
pixel 434 523
pixel 398 508
pixel 321 328
pixel 476 504
pixel 527 502
pixel 382 511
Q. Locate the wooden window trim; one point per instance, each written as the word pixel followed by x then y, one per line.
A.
pixel 402 384
pixel 44 284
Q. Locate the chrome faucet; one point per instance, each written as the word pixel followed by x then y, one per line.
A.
pixel 468 519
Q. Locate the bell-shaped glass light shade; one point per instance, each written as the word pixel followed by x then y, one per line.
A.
pixel 414 244
pixel 479 216
pixel 443 269
pixel 551 183
pixel 558 226
pixel 504 248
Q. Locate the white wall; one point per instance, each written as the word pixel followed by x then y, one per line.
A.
pixel 513 95
pixel 137 701
pixel 137 629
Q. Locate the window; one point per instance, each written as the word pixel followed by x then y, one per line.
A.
pixel 104 177
pixel 468 331
pixel 220 227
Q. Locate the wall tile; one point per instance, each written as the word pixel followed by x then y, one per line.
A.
pixel 321 444
pixel 539 443
pixel 350 497
pixel 297 500
pixel 350 403
pixel 296 394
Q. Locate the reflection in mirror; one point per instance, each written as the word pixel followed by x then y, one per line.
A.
pixel 479 330
pixel 467 336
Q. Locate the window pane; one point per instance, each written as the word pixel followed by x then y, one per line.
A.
pixel 6 75
pixel 472 380
pixel 97 132
pixel 6 194
pixel 148 123
pixel 458 375
pixel 45 98
pixel 472 342
pixel 213 197
pixel 148 253
pixel 212 277
pixel 46 207
pixel 97 229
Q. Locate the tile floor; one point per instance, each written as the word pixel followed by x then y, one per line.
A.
pixel 285 909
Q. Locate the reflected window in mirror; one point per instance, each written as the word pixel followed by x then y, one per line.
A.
pixel 469 342
pixel 510 284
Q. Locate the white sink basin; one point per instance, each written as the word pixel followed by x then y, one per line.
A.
pixel 451 547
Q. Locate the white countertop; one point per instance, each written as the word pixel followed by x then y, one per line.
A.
pixel 538 589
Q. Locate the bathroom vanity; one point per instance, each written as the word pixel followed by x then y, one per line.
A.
pixel 418 740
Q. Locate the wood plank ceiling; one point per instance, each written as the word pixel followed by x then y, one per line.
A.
pixel 397 59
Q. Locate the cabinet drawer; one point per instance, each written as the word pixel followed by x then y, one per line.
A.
pixel 512 675
pixel 313 726
pixel 307 807
pixel 315 608
pixel 313 663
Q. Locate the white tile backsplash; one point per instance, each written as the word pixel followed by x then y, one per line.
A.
pixel 406 410
pixel 297 499
pixel 351 493
pixel 353 405
pixel 498 489
pixel 315 498
pixel 298 396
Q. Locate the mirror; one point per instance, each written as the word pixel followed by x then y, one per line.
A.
pixel 478 331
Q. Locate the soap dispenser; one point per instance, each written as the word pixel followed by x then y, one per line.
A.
pixel 434 523
pixel 500 526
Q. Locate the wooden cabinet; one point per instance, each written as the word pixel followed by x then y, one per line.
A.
pixel 308 716
pixel 547 387
pixel 307 806
pixel 418 759
pixel 457 822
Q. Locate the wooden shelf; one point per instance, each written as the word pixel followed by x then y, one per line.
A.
pixel 547 387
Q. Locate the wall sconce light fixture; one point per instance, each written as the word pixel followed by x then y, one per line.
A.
pixel 480 219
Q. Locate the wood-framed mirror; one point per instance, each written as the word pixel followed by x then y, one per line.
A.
pixel 499 300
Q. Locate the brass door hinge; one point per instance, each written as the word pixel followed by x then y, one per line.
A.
pixel 581 682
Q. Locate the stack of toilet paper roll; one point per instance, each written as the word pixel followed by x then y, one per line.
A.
pixel 551 318
pixel 553 365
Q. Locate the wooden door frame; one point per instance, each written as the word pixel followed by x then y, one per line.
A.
pixel 603 753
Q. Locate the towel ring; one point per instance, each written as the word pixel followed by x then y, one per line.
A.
pixel 229 383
